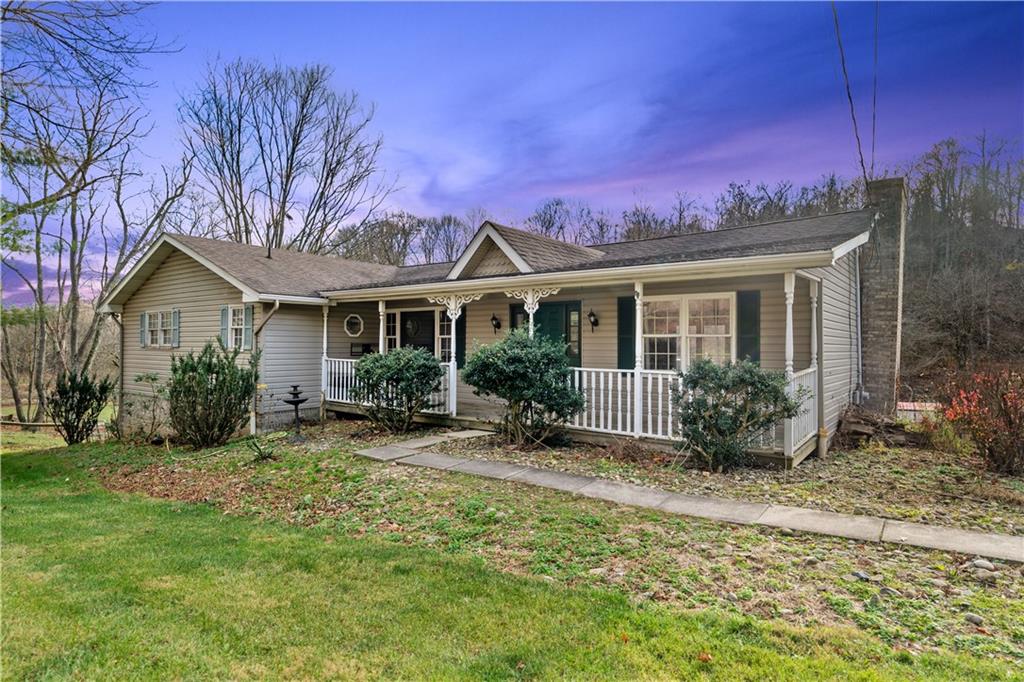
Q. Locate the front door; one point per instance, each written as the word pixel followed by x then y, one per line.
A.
pixel 418 330
pixel 559 321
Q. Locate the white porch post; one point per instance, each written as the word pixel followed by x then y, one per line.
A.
pixel 381 331
pixel 531 300
pixel 638 359
pixel 323 364
pixel 789 285
pixel 814 323
pixel 453 304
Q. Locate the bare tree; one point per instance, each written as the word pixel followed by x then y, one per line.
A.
pixel 55 56
pixel 442 239
pixel 290 161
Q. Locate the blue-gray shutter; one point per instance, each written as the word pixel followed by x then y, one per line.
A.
pixel 627 332
pixel 247 329
pixel 143 330
pixel 225 317
pixel 748 320
pixel 175 327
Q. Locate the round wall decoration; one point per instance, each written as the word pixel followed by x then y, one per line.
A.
pixel 353 325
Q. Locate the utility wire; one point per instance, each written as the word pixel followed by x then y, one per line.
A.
pixel 874 92
pixel 849 93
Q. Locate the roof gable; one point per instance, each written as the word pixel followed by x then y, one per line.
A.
pixel 526 251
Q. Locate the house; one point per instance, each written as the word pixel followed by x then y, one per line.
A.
pixel 819 298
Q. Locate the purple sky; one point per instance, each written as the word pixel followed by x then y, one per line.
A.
pixel 503 106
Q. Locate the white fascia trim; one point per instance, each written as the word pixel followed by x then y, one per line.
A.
pixel 105 307
pixel 282 298
pixel 723 267
pixel 487 230
pixel 849 245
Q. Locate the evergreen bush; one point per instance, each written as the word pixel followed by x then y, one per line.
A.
pixel 210 395
pixel 396 385
pixel 76 403
pixel 723 409
pixel 533 377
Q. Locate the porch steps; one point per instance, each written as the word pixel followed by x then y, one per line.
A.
pixel 855 527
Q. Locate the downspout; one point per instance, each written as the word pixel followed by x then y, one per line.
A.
pixel 858 394
pixel 120 370
pixel 256 344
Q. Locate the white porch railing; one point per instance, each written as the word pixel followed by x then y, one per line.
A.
pixel 340 384
pixel 611 402
pixel 805 425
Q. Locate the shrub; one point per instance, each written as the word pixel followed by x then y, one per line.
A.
pixel 141 415
pixel 723 409
pixel 76 403
pixel 989 408
pixel 209 395
pixel 533 377
pixel 396 385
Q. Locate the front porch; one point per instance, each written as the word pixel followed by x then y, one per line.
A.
pixel 626 344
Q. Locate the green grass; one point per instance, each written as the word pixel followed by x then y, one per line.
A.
pixel 105 585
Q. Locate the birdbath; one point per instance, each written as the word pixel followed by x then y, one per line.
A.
pixel 295 401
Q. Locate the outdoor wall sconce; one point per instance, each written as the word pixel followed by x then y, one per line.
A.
pixel 592 319
pixel 495 322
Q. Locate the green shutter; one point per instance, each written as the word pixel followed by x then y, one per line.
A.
pixel 225 316
pixel 175 326
pixel 247 329
pixel 143 329
pixel 460 340
pixel 627 332
pixel 748 320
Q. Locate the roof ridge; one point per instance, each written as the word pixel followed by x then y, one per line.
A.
pixel 544 237
pixel 734 227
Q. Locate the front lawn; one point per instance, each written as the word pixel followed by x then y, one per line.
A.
pixel 912 484
pixel 388 571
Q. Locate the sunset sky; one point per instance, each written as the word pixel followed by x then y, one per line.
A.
pixel 502 106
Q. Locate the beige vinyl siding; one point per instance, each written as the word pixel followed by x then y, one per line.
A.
pixel 182 283
pixel 489 260
pixel 292 346
pixel 838 307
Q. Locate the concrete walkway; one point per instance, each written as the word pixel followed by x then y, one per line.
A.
pixel 867 528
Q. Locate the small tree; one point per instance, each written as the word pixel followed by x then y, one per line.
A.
pixel 396 385
pixel 209 395
pixel 989 407
pixel 76 403
pixel 533 377
pixel 723 409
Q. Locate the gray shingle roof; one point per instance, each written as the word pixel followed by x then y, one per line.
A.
pixel 288 273
pixel 544 253
pixel 795 235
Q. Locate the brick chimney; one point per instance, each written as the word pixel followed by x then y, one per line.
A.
pixel 881 294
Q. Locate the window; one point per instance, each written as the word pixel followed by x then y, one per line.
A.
pixel 154 328
pixel 709 329
pixel 705 330
pixel 444 336
pixel 390 331
pixel 661 335
pixel 353 325
pixel 159 328
pixel 236 326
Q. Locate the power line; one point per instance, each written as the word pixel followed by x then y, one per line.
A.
pixel 874 92
pixel 849 93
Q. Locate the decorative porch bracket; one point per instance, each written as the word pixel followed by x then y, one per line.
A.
pixel 453 304
pixel 531 300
